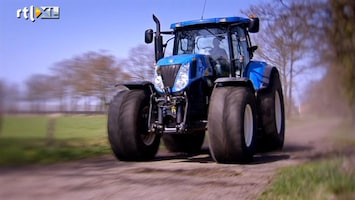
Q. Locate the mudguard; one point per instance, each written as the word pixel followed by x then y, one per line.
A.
pixel 259 74
pixel 234 81
pixel 147 86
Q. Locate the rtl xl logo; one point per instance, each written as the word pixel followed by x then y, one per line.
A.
pixel 42 12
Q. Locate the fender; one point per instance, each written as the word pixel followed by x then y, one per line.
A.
pixel 234 81
pixel 147 86
pixel 259 73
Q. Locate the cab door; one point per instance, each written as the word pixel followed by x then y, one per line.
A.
pixel 240 45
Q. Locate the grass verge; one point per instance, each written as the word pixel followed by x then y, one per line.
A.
pixel 331 177
pixel 325 179
pixel 24 151
pixel 25 139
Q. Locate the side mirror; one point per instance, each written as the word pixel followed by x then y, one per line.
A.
pixel 254 25
pixel 251 51
pixel 148 36
pixel 253 48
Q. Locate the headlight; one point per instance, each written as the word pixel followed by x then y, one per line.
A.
pixel 158 81
pixel 182 78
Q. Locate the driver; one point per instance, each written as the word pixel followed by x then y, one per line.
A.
pixel 217 52
pixel 219 55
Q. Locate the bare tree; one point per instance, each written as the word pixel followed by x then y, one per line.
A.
pixel 140 62
pixel 65 75
pixel 89 76
pixel 92 74
pixel 39 91
pixel 105 74
pixel 285 40
pixel 11 95
pixel 329 26
pixel 59 91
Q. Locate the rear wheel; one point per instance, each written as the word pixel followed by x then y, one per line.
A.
pixel 272 114
pixel 232 124
pixel 187 143
pixel 128 127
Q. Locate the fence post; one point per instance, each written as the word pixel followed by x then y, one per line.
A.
pixel 50 130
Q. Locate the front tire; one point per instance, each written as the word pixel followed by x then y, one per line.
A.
pixel 128 127
pixel 232 124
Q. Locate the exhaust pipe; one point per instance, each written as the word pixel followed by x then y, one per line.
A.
pixel 158 41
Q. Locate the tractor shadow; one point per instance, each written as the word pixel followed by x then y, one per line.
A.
pixel 290 151
pixel 202 156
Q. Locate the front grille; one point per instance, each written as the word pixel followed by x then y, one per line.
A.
pixel 168 73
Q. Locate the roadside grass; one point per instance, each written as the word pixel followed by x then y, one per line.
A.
pixel 29 139
pixel 16 151
pixel 324 179
pixel 329 177
pixel 64 126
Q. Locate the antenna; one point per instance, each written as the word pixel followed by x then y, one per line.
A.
pixel 203 10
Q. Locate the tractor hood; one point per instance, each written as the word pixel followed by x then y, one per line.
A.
pixel 178 59
pixel 176 73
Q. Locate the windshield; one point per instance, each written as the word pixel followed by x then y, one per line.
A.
pixel 207 41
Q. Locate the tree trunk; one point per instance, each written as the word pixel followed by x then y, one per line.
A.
pixel 289 98
pixel 353 117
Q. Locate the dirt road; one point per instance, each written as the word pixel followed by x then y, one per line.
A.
pixel 168 177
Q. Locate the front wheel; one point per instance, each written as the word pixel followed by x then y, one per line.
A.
pixel 128 127
pixel 232 124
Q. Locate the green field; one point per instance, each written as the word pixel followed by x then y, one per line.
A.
pixel 43 139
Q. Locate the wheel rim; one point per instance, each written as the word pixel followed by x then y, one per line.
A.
pixel 278 112
pixel 248 125
pixel 146 136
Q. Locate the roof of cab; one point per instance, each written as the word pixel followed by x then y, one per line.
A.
pixel 210 21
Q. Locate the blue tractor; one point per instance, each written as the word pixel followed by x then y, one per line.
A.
pixel 209 85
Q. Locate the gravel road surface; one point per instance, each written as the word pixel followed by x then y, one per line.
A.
pixel 169 176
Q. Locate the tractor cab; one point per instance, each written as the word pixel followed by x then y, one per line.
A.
pixel 225 40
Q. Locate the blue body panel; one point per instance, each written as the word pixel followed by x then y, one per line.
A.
pixel 178 59
pixel 203 66
pixel 210 21
pixel 255 71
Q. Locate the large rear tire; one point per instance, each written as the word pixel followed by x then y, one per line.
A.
pixel 187 143
pixel 272 115
pixel 232 124
pixel 128 127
